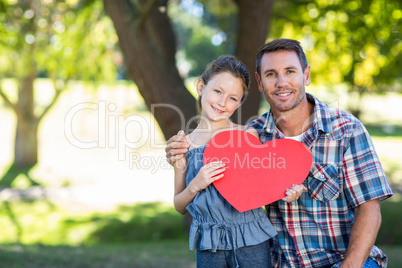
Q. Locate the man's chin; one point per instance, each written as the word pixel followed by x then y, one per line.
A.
pixel 284 108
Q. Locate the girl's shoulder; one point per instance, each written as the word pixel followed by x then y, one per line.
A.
pixel 236 127
pixel 196 140
pixel 250 130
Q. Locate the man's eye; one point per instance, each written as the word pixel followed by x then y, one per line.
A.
pixel 270 74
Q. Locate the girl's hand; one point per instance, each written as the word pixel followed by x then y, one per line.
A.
pixel 207 175
pixel 294 193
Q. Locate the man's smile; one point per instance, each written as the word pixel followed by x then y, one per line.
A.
pixel 283 95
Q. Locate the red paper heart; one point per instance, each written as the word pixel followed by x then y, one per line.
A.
pixel 257 174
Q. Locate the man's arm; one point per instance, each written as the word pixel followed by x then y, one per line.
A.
pixel 364 233
pixel 177 146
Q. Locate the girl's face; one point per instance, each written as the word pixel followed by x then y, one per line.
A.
pixel 221 96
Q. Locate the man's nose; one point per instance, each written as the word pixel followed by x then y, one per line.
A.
pixel 282 81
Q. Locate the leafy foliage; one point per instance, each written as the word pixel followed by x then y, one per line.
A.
pixel 59 39
pixel 56 39
pixel 205 30
pixel 356 42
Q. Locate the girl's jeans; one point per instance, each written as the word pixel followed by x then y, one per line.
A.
pixel 257 256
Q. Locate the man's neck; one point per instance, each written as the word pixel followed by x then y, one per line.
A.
pixel 296 121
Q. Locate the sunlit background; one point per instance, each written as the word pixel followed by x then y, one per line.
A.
pixel 84 180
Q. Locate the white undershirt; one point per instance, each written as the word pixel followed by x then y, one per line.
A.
pixel 296 138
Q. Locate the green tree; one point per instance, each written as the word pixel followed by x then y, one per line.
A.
pixel 59 39
pixel 149 46
pixel 194 46
pixel 356 42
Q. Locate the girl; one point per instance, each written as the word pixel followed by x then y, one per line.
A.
pixel 222 236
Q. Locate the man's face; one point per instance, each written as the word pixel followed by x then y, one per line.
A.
pixel 282 80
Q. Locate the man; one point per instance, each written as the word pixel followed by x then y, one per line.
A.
pixel 334 223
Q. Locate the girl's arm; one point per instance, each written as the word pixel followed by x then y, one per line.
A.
pixel 183 195
pixel 180 199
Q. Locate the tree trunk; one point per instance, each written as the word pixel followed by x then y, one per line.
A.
pixel 356 94
pixel 148 45
pixel 26 143
pixel 253 26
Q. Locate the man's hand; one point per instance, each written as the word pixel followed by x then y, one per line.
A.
pixel 294 193
pixel 177 147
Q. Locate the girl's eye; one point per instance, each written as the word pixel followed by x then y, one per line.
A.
pixel 233 99
pixel 217 91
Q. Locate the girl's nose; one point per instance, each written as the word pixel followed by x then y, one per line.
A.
pixel 222 101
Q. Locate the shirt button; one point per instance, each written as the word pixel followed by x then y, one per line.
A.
pixel 303 253
pixel 322 176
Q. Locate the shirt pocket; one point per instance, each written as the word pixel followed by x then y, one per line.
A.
pixel 323 181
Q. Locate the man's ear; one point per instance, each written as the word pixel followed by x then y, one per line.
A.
pixel 257 77
pixel 200 86
pixel 307 75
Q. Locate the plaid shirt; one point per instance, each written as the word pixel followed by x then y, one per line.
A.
pixel 314 230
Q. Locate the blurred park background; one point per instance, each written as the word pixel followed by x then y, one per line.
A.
pixel 90 90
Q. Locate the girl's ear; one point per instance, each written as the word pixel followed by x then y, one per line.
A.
pixel 200 86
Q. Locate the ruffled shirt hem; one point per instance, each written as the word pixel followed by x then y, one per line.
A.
pixel 228 235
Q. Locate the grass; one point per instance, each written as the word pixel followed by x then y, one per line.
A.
pixel 142 235
pixel 394 255
pixel 40 221
pixel 384 131
pixel 145 254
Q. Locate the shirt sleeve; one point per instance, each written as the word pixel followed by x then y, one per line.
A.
pixel 364 176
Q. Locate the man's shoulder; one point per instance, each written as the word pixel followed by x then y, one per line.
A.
pixel 342 122
pixel 259 122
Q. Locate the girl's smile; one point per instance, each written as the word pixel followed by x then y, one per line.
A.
pixel 217 110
